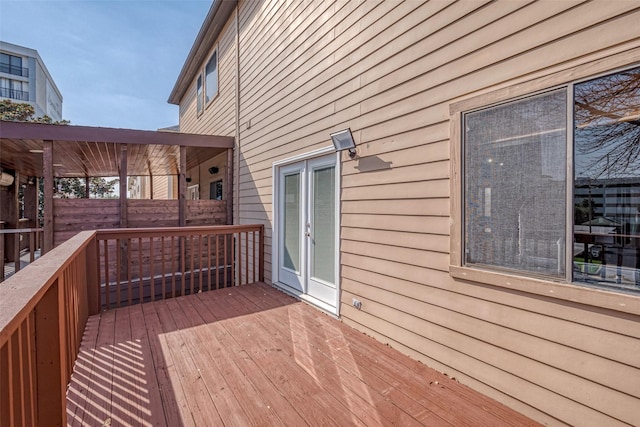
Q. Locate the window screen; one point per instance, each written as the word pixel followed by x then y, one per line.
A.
pixel 515 185
pixel 211 77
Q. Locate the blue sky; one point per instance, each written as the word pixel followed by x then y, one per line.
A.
pixel 115 62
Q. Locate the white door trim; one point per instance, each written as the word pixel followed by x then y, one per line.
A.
pixel 275 244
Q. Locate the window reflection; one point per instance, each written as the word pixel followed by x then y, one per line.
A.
pixel 606 248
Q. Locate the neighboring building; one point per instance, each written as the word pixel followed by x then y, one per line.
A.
pixel 25 78
pixel 447 235
pixel 164 187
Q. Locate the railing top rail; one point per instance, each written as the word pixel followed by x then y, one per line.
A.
pixel 116 233
pixel 20 293
pixel 20 230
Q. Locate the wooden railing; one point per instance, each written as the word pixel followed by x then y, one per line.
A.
pixel 147 264
pixel 44 309
pixel 34 245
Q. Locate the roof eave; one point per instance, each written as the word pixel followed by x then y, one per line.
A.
pixel 209 32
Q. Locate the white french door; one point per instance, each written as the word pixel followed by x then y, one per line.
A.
pixel 307 229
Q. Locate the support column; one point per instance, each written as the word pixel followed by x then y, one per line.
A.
pixel 47 165
pixel 150 180
pixel 31 201
pixel 123 186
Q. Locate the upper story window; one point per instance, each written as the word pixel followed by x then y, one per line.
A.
pixel 14 89
pixel 199 94
pixel 11 64
pixel 211 78
pixel 523 214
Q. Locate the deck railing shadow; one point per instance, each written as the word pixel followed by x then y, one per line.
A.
pixel 44 309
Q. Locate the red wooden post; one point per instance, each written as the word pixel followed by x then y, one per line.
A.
pixel 93 277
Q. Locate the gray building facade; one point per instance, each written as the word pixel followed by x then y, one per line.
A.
pixel 25 78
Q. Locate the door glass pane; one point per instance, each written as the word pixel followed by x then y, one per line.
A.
pixel 323 265
pixel 515 185
pixel 292 222
pixel 606 247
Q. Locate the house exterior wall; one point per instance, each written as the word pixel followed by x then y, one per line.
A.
pixel 399 75
pixel 201 176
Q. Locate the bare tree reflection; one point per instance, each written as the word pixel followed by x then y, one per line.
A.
pixel 607 114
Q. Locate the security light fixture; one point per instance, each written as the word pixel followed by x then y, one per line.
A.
pixel 343 140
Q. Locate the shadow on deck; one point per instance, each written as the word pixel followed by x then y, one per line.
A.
pixel 252 355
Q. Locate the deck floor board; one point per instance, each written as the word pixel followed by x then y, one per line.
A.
pixel 254 356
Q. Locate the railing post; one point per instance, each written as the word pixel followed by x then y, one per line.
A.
pixel 93 279
pixel 261 255
pixel 50 366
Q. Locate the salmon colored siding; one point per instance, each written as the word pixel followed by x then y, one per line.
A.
pixel 397 73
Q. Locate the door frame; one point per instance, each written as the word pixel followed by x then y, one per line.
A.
pixel 275 243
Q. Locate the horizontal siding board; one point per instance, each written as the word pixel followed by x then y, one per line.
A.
pixel 427 207
pixel 405 190
pixel 417 224
pixel 399 254
pixel 391 239
pixel 378 171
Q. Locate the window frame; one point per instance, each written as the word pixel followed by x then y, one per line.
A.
pixel 559 288
pixel 207 102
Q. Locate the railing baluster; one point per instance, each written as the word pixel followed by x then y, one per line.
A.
pixel 152 261
pixel 31 364
pixel 107 291
pixel 162 267
pixel 173 267
pixel 21 372
pixel 129 268
pixel 191 261
pixel 200 237
pixel 255 256
pixel 208 262
pixel 140 273
pixel 183 263
pixel 226 281
pixel 118 272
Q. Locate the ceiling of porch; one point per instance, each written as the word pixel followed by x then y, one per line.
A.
pixel 81 151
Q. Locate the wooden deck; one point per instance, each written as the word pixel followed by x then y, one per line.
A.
pixel 252 355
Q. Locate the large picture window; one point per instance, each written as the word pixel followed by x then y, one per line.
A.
pixel 516 189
